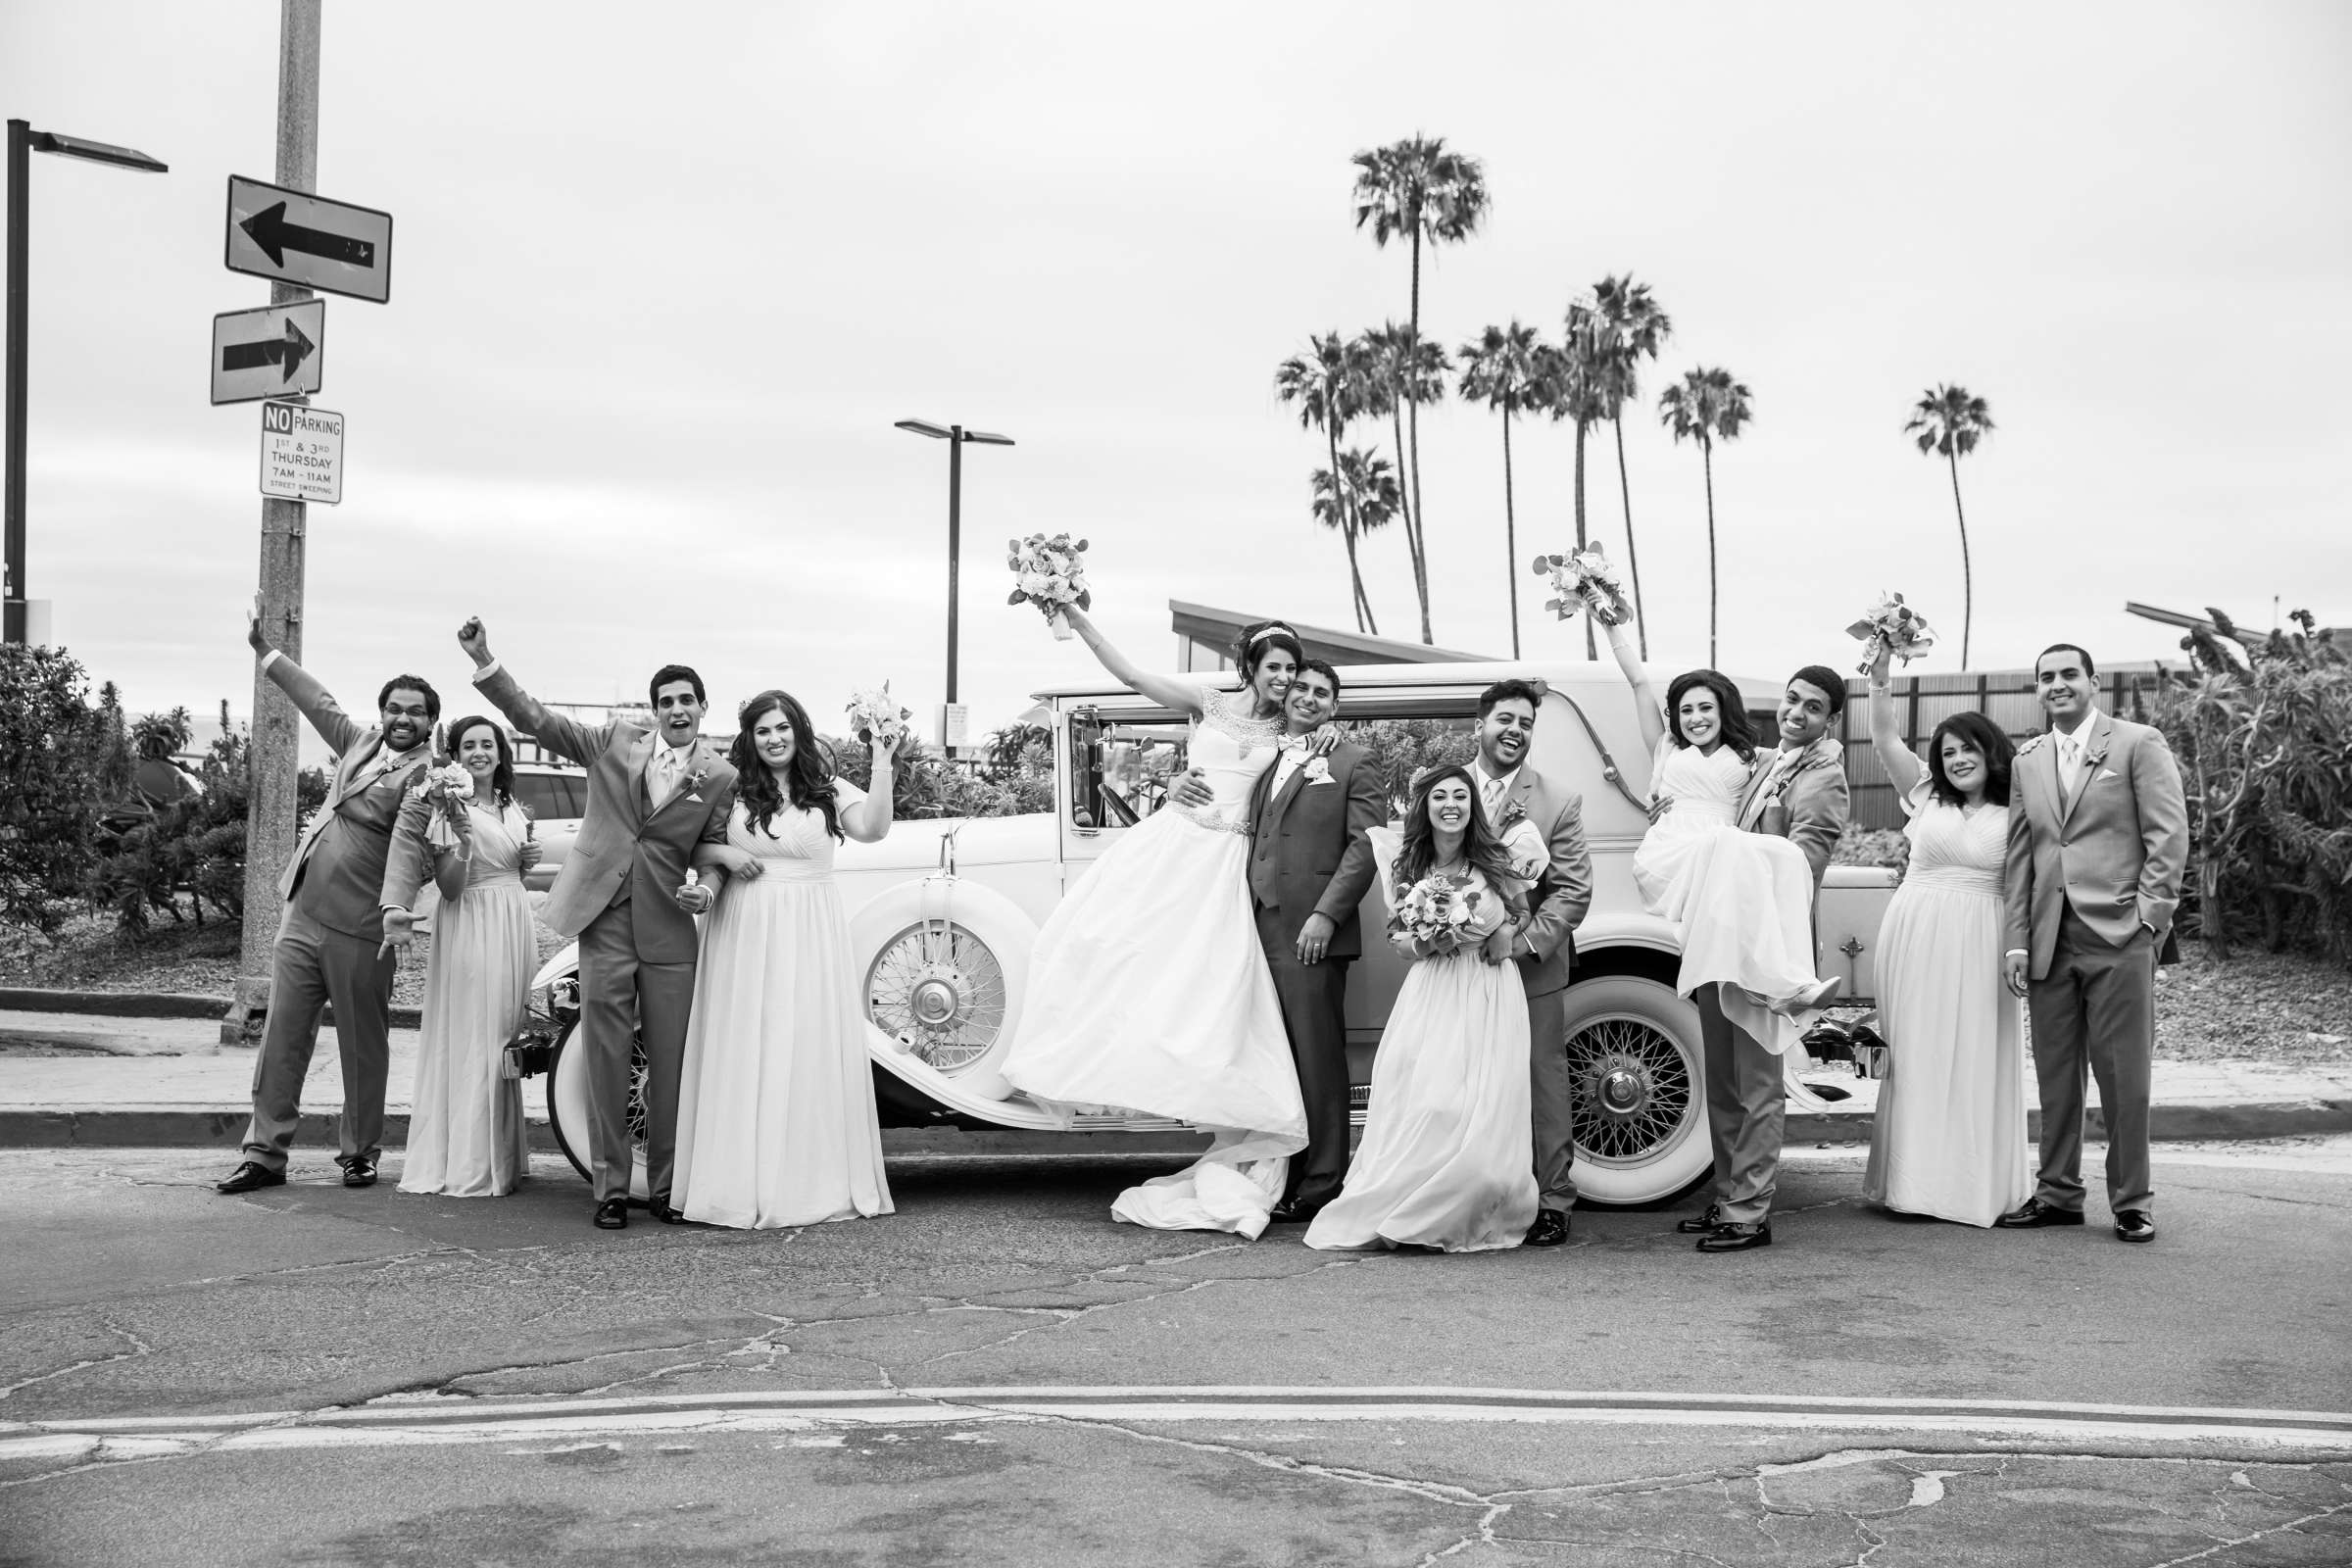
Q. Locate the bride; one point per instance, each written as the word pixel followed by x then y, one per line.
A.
pixel 1744 901
pixel 1148 988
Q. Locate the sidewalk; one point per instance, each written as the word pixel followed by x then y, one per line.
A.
pixel 92 1080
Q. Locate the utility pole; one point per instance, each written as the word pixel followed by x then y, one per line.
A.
pixel 274 755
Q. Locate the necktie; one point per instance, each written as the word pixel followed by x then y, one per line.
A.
pixel 1491 800
pixel 662 775
pixel 2070 766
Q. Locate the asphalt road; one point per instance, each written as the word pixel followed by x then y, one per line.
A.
pixel 998 1374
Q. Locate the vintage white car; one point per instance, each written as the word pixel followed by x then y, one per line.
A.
pixel 943 915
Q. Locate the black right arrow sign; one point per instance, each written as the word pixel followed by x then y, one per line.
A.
pixel 288 351
pixel 276 351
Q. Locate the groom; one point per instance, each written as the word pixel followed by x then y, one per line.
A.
pixel 2098 839
pixel 654 793
pixel 1797 792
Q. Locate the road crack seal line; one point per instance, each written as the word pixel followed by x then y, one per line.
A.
pixel 138 1347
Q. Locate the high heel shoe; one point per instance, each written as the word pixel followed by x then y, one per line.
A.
pixel 1809 999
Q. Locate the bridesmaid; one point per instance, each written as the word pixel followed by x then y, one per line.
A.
pixel 776 1121
pixel 1444 1159
pixel 1950 1136
pixel 465 1126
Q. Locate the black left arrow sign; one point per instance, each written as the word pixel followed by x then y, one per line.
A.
pixel 288 351
pixel 269 229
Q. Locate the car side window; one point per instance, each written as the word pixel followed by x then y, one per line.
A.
pixel 1122 768
pixel 544 794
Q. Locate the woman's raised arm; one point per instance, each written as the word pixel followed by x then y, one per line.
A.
pixel 1171 691
pixel 870 819
pixel 1886 736
pixel 1648 709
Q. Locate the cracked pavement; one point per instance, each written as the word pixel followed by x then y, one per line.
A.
pixel 132 1290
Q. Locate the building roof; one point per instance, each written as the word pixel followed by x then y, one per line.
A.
pixel 1219 627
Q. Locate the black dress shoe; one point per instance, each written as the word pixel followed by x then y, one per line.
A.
pixel 664 1213
pixel 359 1173
pixel 1734 1237
pixel 1550 1228
pixel 249 1177
pixel 1701 1224
pixel 2135 1225
pixel 612 1215
pixel 2033 1213
pixel 1290 1211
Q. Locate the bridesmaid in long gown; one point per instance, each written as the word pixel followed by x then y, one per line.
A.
pixel 1950 1135
pixel 1147 987
pixel 1443 1158
pixel 776 1122
pixel 467 1136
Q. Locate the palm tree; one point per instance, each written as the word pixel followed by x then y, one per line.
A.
pixel 1405 373
pixel 1329 384
pixel 1708 406
pixel 1574 389
pixel 1364 497
pixel 1501 370
pixel 1949 422
pixel 1632 329
pixel 1418 190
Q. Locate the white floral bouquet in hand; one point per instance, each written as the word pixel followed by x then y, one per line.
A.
pixel 1049 573
pixel 1584 579
pixel 445 790
pixel 1438 912
pixel 875 715
pixel 1894 627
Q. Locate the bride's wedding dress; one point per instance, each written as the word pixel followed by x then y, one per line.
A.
pixel 1147 991
pixel 1744 901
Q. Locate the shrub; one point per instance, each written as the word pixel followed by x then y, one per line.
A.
pixel 59 756
pixel 2263 730
pixel 930 788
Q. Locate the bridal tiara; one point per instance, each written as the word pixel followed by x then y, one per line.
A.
pixel 1270 629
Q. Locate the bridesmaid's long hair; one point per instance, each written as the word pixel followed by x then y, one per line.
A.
pixel 1419 851
pixel 1738 733
pixel 808 779
pixel 502 777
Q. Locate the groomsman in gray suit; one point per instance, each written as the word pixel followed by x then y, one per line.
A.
pixel 654 790
pixel 2098 839
pixel 1797 792
pixel 331 941
pixel 1509 790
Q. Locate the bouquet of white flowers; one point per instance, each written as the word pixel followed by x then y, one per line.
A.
pixel 1894 627
pixel 1580 572
pixel 875 715
pixel 445 789
pixel 1049 573
pixel 1437 911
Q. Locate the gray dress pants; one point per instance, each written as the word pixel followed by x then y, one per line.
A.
pixel 1551 1088
pixel 1747 1108
pixel 2095 1010
pixel 620 999
pixel 310 967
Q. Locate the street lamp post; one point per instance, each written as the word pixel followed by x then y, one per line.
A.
pixel 956 437
pixel 22 142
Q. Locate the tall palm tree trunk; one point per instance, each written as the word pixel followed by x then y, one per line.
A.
pixel 1967 587
pixel 1363 606
pixel 1511 533
pixel 1591 648
pixel 1339 491
pixel 1414 530
pixel 1406 513
pixel 1706 455
pixel 1633 556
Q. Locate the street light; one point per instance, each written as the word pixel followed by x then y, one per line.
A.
pixel 22 141
pixel 956 437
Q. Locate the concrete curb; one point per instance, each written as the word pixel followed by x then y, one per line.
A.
pixel 153 1005
pixel 219 1127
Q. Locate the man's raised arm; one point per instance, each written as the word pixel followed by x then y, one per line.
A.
pixel 334 727
pixel 565 737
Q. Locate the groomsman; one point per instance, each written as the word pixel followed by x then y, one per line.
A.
pixel 1798 792
pixel 1510 791
pixel 330 942
pixel 654 793
pixel 2098 838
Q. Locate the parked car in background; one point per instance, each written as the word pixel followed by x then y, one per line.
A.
pixel 556 794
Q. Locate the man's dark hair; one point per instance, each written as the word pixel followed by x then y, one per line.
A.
pixel 1997 750
pixel 2089 669
pixel 668 676
pixel 1323 669
pixel 412 683
pixel 1503 691
pixel 1829 680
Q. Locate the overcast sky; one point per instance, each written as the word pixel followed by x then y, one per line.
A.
pixel 664 276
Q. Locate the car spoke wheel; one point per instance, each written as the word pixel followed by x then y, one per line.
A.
pixel 567 1107
pixel 1634 1091
pixel 939 990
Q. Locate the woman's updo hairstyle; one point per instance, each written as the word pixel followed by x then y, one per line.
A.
pixel 1251 647
pixel 1729 706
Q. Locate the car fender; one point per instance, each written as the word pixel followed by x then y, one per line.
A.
pixel 978 1088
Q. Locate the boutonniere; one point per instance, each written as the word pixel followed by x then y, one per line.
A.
pixel 1515 811
pixel 1317 770
pixel 695 781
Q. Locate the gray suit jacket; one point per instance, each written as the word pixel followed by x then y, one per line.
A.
pixel 336 876
pixel 2117 853
pixel 626 850
pixel 1813 797
pixel 1563 894
pixel 1307 850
